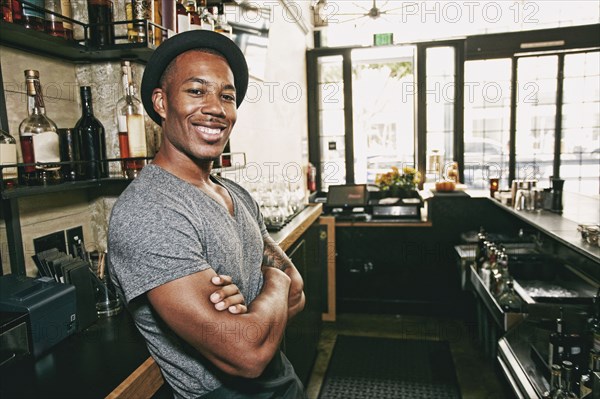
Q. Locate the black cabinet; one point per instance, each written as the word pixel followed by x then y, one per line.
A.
pixel 302 333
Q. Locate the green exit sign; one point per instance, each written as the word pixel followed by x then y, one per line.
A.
pixel 383 39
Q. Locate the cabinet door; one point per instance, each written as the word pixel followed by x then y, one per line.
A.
pixel 302 333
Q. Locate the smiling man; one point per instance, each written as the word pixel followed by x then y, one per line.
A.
pixel 177 228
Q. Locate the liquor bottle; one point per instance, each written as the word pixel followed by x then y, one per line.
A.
pixel 130 121
pixel 221 24
pixel 17 11
pixel 481 238
pixel 555 382
pixel 593 325
pixel 54 23
pixel 8 156
pixel 183 19
pixel 486 268
pixel 91 140
pixel 169 16
pixel 556 349
pixel 33 18
pixel 156 17
pixel 102 30
pixel 567 390
pixel 136 10
pixel 208 19
pixel 194 17
pixel 39 137
pixel 586 381
pixel 510 301
pixel 67 11
pixel 6 6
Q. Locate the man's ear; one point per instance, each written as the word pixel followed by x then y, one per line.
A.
pixel 159 102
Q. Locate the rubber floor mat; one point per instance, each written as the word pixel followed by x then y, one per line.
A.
pixel 385 368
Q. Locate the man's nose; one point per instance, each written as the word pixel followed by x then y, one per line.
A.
pixel 213 105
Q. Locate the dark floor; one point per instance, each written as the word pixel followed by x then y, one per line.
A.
pixel 478 377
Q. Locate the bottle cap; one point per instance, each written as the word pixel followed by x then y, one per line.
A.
pixel 32 74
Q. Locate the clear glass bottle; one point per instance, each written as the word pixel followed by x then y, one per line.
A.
pixel 486 268
pixel 39 137
pixel 510 301
pixel 137 10
pixel 131 125
pixel 91 139
pixel 555 381
pixel 208 19
pixel 8 156
pixel 54 23
pixel 194 17
pixel 567 375
pixel 67 11
pixel 221 24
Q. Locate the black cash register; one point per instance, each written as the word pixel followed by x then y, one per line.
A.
pixel 348 201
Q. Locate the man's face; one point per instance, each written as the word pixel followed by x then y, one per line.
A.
pixel 198 105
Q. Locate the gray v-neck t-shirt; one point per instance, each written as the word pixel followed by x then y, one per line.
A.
pixel 163 228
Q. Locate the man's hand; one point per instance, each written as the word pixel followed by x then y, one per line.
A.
pixel 228 297
pixel 273 256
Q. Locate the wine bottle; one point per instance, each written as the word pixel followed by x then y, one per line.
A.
pixel 137 10
pixel 194 17
pixel 39 137
pixel 33 18
pixel 8 156
pixel 183 19
pixel 556 349
pixel 102 30
pixel 91 139
pixel 131 127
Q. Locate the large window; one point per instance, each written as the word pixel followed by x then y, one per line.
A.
pixel 487 121
pixel 440 97
pixel 580 139
pixel 383 98
pixel 536 114
pixel 331 121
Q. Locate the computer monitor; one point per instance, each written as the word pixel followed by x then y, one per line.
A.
pixel 347 196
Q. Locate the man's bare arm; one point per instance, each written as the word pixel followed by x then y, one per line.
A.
pixel 238 344
pixel 274 256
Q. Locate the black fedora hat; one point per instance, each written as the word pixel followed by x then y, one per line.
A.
pixel 190 40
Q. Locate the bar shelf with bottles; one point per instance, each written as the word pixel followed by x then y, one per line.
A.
pixel 85 43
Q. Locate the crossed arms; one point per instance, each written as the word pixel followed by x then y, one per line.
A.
pixel 242 340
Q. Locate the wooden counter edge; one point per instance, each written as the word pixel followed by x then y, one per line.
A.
pixel 142 383
pixel 329 223
pixel 309 215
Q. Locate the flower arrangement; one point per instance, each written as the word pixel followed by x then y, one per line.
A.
pixel 396 183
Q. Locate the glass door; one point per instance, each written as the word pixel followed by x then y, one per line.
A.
pixel 383 105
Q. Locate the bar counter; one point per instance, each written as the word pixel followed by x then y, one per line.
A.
pixel 92 363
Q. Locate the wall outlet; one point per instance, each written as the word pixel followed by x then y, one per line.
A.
pixel 72 234
pixel 54 240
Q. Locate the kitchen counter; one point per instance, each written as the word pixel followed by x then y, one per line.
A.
pixel 560 227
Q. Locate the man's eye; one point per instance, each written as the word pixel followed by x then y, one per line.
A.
pixel 196 92
pixel 229 97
